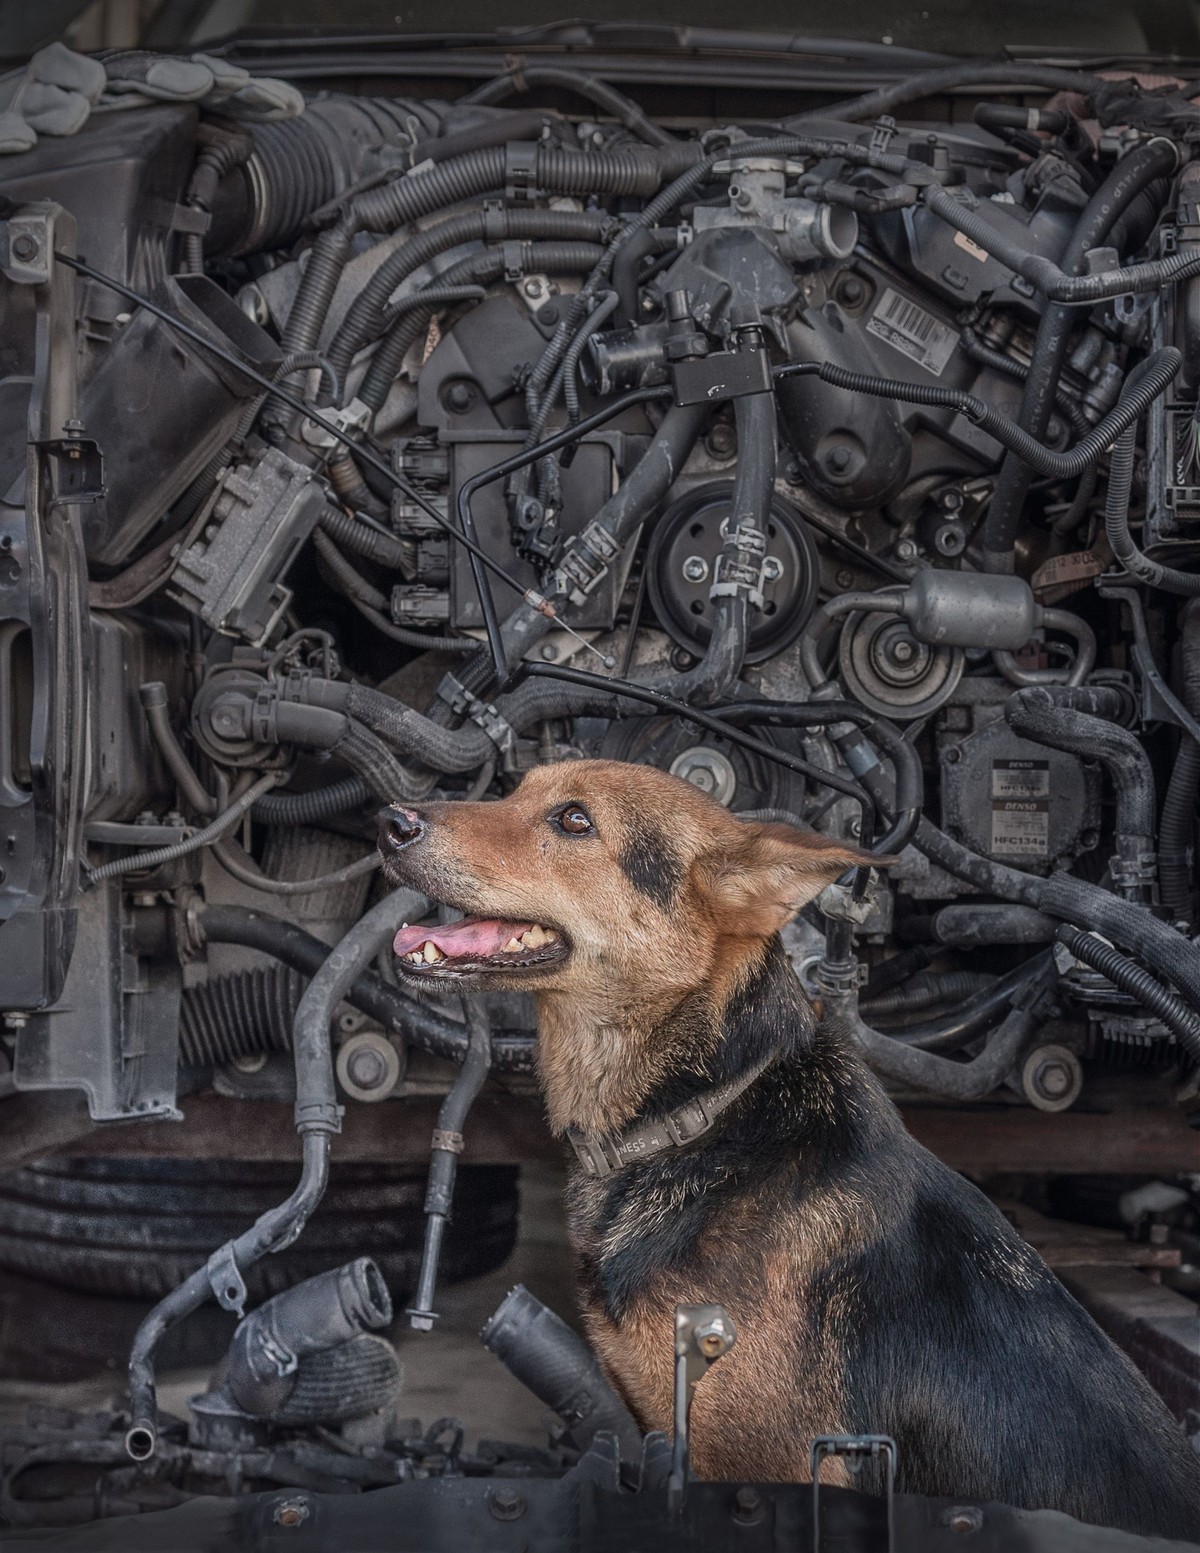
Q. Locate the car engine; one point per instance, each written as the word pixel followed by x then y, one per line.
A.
pixel 846 466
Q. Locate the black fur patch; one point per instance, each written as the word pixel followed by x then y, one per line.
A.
pixel 650 866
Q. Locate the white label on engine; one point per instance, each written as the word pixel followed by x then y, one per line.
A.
pixel 912 331
pixel 1021 808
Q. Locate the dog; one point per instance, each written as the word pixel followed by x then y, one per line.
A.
pixel 874 1290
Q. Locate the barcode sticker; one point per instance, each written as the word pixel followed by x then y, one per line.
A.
pixel 912 331
pixel 1021 808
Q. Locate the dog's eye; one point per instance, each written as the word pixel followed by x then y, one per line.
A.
pixel 574 819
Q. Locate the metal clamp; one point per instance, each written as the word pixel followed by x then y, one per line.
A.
pixel 355 416
pixel 482 713
pixel 451 1142
pixel 703 1334
pixel 520 157
pixel 587 561
pixel 859 1450
pixel 226 1281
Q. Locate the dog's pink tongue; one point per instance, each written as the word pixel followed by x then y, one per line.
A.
pixel 470 938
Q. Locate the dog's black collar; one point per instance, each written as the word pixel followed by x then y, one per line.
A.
pixel 599 1157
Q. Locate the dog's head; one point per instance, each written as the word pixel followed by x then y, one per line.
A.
pixel 609 882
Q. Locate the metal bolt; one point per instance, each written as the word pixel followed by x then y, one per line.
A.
pixel 715 1337
pixel 367 1067
pixel 772 569
pixel 24 245
pixel 902 650
pixel 844 578
pixel 292 1512
pixel 1053 1079
pixel 851 290
pixel 695 568
pixel 531 287
pixel 721 440
pixel 962 1518
pixel 549 653
pixel 837 459
pixel 506 1504
pixel 460 397
pixel 906 550
pixel 747 1506
pixel 952 754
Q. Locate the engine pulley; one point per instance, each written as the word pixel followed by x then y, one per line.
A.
pixel 683 553
pixel 893 672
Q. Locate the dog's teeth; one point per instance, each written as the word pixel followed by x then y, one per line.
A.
pixel 431 953
pixel 414 956
pixel 535 937
pixel 551 936
pixel 512 946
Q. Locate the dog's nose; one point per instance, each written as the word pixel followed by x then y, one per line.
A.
pixel 399 828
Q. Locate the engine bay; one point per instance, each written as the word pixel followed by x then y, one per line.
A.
pixel 846 466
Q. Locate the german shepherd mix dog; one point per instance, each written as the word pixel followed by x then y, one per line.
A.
pixel 732 1150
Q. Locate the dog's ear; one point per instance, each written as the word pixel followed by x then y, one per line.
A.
pixel 761 879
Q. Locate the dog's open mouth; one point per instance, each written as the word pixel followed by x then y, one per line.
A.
pixel 477 944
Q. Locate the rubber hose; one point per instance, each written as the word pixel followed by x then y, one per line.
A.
pixel 646 241
pixel 484 268
pixel 383 549
pixel 262 1364
pixel 444 184
pixel 753 489
pixel 1105 208
pixel 443 1158
pixel 1177 825
pixel 1045 276
pixel 1182 1021
pixel 1076 719
pixel 451 750
pixel 925 1070
pixel 603 310
pixel 952 1031
pixel 952 78
pixel 1143 385
pixel 364 317
pixel 926 991
pixel 985 356
pixel 272 1231
pixel 1116 526
pixel 415 1022
pixel 1072 900
pixel 307 808
pixel 559 1368
pixel 387 778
